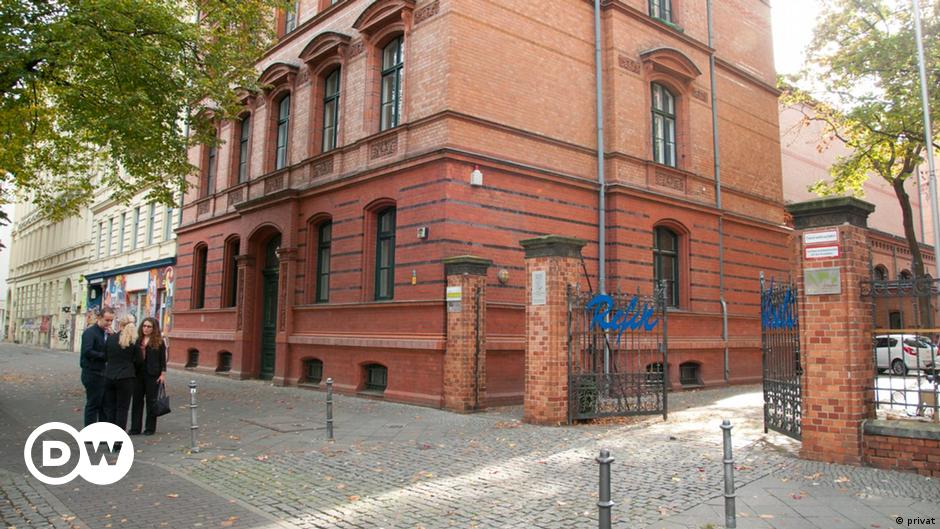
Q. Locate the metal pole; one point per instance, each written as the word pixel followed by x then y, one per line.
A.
pixel 928 135
pixel 193 427
pixel 730 520
pixel 601 176
pixel 603 498
pixel 329 408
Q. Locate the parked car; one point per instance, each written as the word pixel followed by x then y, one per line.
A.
pixel 903 352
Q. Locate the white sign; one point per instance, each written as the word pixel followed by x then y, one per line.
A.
pixel 539 290
pixel 454 293
pixel 819 281
pixel 95 443
pixel 822 252
pixel 818 237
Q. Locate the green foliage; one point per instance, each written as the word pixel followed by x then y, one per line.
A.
pixel 862 84
pixel 106 88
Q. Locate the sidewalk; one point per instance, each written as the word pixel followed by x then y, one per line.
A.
pixel 265 462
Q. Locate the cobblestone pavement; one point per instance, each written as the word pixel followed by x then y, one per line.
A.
pixel 264 458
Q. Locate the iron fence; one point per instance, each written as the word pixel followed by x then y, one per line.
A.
pixel 905 340
pixel 617 354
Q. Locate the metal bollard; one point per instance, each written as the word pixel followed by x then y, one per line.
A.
pixel 730 515
pixel 329 409
pixel 194 447
pixel 603 498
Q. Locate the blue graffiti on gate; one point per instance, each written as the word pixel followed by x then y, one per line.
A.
pixel 778 311
pixel 622 320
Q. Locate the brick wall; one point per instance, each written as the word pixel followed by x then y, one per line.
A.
pixel 903 453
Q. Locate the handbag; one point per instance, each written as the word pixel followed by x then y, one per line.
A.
pixel 162 406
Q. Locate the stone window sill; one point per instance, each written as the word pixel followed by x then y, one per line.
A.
pixel 906 429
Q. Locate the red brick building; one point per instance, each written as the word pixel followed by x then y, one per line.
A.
pixel 313 242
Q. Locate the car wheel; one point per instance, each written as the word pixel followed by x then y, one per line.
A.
pixel 898 367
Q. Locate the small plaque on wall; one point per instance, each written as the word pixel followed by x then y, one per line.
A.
pixel 539 289
pixel 819 281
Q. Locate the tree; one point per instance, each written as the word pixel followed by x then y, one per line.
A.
pixel 105 88
pixel 862 63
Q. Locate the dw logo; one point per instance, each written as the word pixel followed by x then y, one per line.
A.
pixel 97 445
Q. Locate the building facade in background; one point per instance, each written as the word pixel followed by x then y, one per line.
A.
pixel 132 259
pixel 45 282
pixel 397 133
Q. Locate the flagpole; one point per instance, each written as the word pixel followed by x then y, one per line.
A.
pixel 928 137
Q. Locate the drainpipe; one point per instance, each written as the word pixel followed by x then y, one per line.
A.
pixel 721 233
pixel 601 178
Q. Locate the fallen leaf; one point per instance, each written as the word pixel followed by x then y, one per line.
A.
pixel 766 516
pixel 353 498
pixel 173 495
pixel 842 479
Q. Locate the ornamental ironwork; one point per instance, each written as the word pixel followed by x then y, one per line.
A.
pixel 781 358
pixel 617 354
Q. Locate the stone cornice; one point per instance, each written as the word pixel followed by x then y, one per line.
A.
pixel 466 264
pixel 553 246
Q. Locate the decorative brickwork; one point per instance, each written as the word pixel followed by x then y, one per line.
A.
pixel 546 326
pixel 383 147
pixel 427 12
pixel 235 196
pixel 323 167
pixel 465 357
pixel 628 64
pixel 273 183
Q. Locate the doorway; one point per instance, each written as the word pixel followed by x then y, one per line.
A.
pixel 270 276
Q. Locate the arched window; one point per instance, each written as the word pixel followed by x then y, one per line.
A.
pixel 330 110
pixel 664 125
pixel 200 259
pixel 283 128
pixel 905 275
pixel 666 263
pixel 324 247
pixel 881 273
pixel 313 371
pixel 661 9
pixel 385 254
pixel 376 377
pixel 392 65
pixel 230 272
pixel 244 135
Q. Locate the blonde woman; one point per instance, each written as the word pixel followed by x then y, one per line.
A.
pixel 121 351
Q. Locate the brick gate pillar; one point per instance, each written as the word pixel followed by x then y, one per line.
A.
pixel 552 263
pixel 244 314
pixel 836 324
pixel 465 357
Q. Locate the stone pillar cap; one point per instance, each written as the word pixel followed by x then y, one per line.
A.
pixel 553 246
pixel 830 211
pixel 466 264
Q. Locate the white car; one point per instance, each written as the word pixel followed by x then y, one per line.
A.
pixel 904 352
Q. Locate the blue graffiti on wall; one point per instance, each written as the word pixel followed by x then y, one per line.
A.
pixel 622 320
pixel 778 310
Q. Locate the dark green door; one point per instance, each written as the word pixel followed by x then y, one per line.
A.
pixel 269 310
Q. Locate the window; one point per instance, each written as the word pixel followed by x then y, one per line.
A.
pixel 225 362
pixel 392 63
pixel 167 223
pixel 192 358
pixel 211 169
pixel 243 136
pixel 661 9
pixel 135 228
pixel 905 275
pixel 151 225
pixel 894 322
pixel 231 272
pixel 881 273
pixel 666 263
pixel 200 254
pixel 313 371
pixel 330 110
pixel 110 233
pixel 385 254
pixel 121 231
pixel 324 243
pixel 283 124
pixel 376 377
pixel 689 374
pixel 100 239
pixel 290 18
pixel 664 125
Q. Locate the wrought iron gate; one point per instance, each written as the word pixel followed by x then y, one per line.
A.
pixel 617 354
pixel 781 360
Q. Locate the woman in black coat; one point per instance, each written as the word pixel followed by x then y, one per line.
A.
pixel 119 372
pixel 151 373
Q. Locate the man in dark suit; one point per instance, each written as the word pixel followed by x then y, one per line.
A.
pixel 92 361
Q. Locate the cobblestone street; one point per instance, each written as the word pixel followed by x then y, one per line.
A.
pixel 265 462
